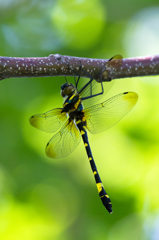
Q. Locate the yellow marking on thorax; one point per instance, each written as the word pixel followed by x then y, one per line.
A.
pixel 65 104
pixel 95 172
pixel 85 144
pixel 89 158
pixel 83 119
pixel 77 122
pixel 72 96
pixel 99 187
pixel 77 104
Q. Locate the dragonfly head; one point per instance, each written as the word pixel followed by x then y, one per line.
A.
pixel 67 89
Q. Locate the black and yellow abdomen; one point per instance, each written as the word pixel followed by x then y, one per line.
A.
pixel 101 191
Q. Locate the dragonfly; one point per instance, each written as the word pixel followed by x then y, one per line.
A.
pixel 78 115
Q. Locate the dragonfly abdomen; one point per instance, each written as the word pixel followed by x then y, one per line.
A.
pixel 101 191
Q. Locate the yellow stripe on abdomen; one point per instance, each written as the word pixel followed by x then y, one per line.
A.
pixel 82 132
pixel 99 187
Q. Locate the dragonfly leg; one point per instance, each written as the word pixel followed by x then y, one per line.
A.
pixel 91 79
pixel 88 83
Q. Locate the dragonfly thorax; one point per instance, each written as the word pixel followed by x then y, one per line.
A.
pixel 72 101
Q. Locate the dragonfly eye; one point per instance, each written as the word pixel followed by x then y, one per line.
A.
pixel 62 93
pixel 67 89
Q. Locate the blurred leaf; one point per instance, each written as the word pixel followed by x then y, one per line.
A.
pixel 79 23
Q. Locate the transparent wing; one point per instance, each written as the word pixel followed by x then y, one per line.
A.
pixel 92 89
pixel 104 115
pixel 96 86
pixel 64 142
pixel 49 121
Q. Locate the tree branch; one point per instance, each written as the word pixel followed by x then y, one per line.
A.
pixel 58 65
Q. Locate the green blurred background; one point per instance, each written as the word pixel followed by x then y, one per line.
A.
pixel 44 199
